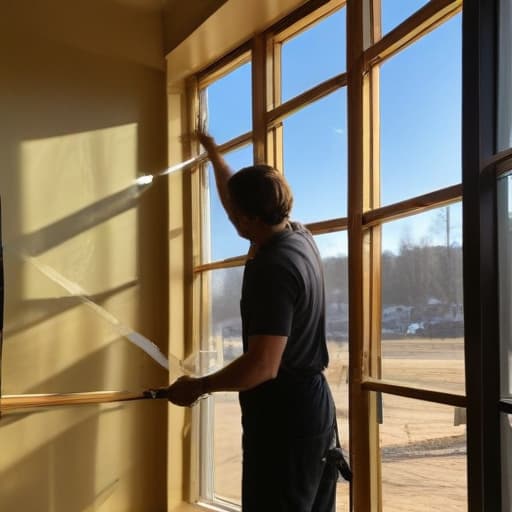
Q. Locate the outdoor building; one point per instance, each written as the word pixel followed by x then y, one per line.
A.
pixel 392 122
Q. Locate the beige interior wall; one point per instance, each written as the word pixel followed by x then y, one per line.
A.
pixel 83 113
pixel 182 18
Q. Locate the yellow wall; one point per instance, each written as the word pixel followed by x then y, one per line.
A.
pixel 83 113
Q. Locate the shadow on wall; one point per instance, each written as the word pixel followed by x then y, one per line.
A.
pixel 73 458
pixel 63 475
pixel 59 472
pixel 83 108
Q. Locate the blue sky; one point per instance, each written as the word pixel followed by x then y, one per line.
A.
pixel 420 108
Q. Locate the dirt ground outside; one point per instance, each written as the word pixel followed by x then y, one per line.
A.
pixel 423 445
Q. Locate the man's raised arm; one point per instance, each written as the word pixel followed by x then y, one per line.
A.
pixel 221 169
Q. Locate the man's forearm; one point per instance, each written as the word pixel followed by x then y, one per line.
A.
pixel 221 170
pixel 243 373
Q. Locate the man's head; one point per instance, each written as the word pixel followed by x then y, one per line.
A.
pixel 259 194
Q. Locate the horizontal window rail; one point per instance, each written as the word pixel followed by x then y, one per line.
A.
pixel 413 205
pixel 316 228
pixel 224 65
pixel 306 98
pixel 399 389
pixel 303 18
pixel 236 261
pixel 500 163
pixel 424 20
pixel 237 142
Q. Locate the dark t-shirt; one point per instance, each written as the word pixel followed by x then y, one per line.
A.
pixel 283 295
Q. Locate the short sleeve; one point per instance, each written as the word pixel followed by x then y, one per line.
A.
pixel 271 297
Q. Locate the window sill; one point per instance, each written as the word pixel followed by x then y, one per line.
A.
pixel 190 507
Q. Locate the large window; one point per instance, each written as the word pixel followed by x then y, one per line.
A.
pixel 368 133
pixel 305 136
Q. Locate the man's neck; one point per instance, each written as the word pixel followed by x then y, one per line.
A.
pixel 266 233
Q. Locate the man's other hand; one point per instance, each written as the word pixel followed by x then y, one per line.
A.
pixel 185 391
pixel 206 140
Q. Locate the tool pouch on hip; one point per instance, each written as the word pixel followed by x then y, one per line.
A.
pixel 335 457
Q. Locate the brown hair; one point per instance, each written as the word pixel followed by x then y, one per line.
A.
pixel 261 191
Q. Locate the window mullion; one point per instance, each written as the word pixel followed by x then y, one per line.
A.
pixel 259 98
pixel 362 429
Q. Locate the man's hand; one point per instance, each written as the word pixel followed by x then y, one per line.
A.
pixel 206 140
pixel 221 169
pixel 185 391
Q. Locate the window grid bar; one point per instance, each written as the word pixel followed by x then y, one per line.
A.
pixel 259 98
pixel 316 228
pixel 433 14
pixel 302 18
pixel 225 64
pixel 315 93
pixel 236 142
pixel 481 340
pixel 399 389
pixel 414 205
pixel 365 489
pixel 498 158
pixel 506 405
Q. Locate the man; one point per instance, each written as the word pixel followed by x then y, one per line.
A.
pixel 288 413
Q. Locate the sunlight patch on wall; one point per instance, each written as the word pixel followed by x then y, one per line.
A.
pixel 73 215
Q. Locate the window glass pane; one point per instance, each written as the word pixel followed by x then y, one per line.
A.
pixel 505 76
pixel 333 250
pixel 422 309
pixel 423 450
pixel 315 158
pixel 506 462
pixel 421 115
pixel 396 11
pixel 505 281
pixel 314 55
pixel 226 335
pixel 224 240
pixel 229 104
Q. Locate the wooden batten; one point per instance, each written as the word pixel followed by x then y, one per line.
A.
pixel 10 403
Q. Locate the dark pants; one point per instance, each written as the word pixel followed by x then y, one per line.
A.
pixel 288 477
pixel 288 429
